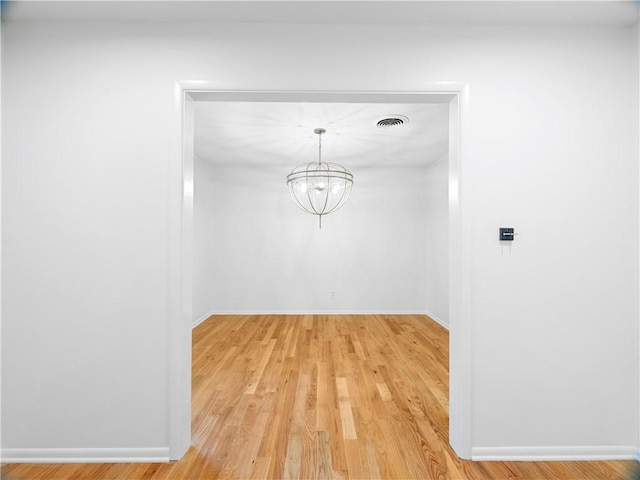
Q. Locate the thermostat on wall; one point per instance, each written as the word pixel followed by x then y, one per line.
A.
pixel 507 234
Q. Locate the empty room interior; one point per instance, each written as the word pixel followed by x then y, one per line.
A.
pixel 320 239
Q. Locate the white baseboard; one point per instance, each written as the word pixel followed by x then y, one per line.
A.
pixel 536 454
pixel 438 320
pixel 321 312
pixel 313 312
pixel 85 455
pixel 202 319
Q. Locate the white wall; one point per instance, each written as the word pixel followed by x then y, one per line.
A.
pixel 436 191
pixel 259 253
pixel 0 237
pixel 204 241
pixel 87 113
pixel 635 98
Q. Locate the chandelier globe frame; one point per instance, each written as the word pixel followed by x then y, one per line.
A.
pixel 320 188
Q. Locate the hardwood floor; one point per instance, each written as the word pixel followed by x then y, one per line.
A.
pixel 321 397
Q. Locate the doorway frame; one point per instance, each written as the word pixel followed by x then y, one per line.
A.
pixel 180 243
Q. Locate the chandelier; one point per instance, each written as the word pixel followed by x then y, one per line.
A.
pixel 320 188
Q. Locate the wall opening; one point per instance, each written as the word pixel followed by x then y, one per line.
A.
pixel 183 267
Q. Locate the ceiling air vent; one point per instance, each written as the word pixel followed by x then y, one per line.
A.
pixel 391 122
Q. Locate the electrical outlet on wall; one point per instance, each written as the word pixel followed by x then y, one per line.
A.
pixel 333 294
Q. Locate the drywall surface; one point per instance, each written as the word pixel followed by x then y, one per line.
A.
pixel 635 98
pixel 88 111
pixel 264 254
pixel 0 237
pixel 436 208
pixel 204 241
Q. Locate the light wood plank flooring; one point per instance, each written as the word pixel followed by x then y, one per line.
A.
pixel 321 397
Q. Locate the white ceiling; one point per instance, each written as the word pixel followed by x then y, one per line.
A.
pixel 449 12
pixel 280 134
